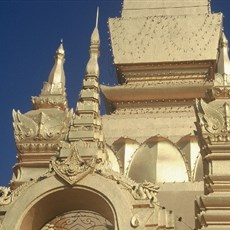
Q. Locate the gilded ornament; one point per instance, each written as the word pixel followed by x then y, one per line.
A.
pixel 5 196
pixel 73 168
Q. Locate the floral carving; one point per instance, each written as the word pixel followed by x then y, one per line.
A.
pixel 79 219
pixel 73 168
pixel 5 196
pixel 221 92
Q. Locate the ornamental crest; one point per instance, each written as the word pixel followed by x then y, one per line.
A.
pixel 73 168
pixel 209 117
pixel 213 121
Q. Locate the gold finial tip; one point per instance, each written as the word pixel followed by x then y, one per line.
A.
pixel 97 16
pixel 60 49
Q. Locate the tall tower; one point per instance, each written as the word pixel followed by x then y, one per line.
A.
pixel 213 134
pixel 166 55
pixel 38 132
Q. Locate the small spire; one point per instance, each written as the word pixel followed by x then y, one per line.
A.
pixel 97 17
pixel 60 50
pixel 95 35
pixel 53 92
pixel 92 67
pixel 224 62
pixel 57 75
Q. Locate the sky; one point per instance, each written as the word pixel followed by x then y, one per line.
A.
pixel 30 33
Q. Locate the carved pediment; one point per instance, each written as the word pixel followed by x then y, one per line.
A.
pixel 40 128
pixel 73 168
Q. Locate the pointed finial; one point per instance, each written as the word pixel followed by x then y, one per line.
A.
pixel 95 35
pixel 60 49
pixel 223 66
pixel 53 92
pixel 57 74
pixel 97 16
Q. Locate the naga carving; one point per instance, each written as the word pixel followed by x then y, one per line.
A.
pixel 140 191
pixel 145 190
pixel 73 168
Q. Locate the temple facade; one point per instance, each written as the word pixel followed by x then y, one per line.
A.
pixel 160 156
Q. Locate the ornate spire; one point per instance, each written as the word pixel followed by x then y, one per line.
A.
pixel 53 93
pixel 224 62
pixel 57 75
pixel 86 130
pixel 92 66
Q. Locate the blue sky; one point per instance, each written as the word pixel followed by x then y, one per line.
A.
pixel 30 34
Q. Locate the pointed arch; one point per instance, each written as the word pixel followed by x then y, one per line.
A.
pixel 113 160
pixel 189 146
pixel 124 148
pixel 48 198
pixel 158 160
pixel 198 172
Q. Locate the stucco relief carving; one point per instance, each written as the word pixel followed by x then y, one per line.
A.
pixel 140 191
pixel 5 196
pixel 79 219
pixel 145 190
pixel 73 168
pixel 214 122
pixel 31 130
pixel 41 127
pixel 221 87
pixel 221 92
pixel 210 118
pixel 49 102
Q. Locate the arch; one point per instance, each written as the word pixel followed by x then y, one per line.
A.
pixel 125 148
pixel 158 160
pixel 46 199
pixel 79 219
pixel 191 149
pixel 198 173
pixel 112 159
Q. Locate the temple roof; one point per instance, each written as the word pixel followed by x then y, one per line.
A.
pixel 156 92
pixel 160 39
pixel 134 8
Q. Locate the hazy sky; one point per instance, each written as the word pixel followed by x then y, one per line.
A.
pixel 30 32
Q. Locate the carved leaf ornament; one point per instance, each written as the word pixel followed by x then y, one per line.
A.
pixel 213 120
pixel 73 168
pixel 41 127
pixel 210 118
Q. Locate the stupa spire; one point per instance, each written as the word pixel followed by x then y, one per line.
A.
pixel 224 62
pixel 57 74
pixel 92 67
pixel 53 92
pixel 86 130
